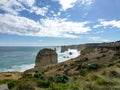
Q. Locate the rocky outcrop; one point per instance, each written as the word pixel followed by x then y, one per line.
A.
pixel 110 45
pixel 77 47
pixel 46 57
pixel 100 53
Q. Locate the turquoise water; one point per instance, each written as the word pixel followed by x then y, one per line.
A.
pixel 14 58
pixel 23 58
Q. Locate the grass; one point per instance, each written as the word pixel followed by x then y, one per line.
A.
pixel 107 78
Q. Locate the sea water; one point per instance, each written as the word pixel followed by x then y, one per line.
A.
pixel 23 58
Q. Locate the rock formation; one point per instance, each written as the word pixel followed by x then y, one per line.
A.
pixel 77 47
pixel 46 57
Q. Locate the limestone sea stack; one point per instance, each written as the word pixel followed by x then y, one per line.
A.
pixel 46 57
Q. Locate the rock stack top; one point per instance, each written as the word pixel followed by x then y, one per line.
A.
pixel 46 57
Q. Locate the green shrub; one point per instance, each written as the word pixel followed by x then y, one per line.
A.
pixel 42 76
pixel 83 72
pixel 50 79
pixel 37 74
pixel 43 83
pixel 12 84
pixel 25 86
pixel 94 66
pixel 65 78
pixel 61 78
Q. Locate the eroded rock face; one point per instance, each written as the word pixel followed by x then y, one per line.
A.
pixel 46 57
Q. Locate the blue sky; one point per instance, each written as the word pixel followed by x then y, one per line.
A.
pixel 58 22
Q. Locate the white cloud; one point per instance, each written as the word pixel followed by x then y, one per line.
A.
pixel 39 11
pixel 112 23
pixel 66 4
pixel 29 3
pixel 45 28
pixel 15 6
pixel 98 39
pixel 98 32
pixel 86 2
pixel 11 6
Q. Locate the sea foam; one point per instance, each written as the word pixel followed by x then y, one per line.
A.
pixel 62 56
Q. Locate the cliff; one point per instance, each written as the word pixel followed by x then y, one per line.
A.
pixel 98 68
pixel 100 53
pixel 77 47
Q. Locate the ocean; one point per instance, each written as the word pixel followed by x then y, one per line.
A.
pixel 23 58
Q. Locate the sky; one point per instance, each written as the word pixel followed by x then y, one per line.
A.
pixel 58 22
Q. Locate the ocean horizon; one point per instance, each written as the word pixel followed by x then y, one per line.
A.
pixel 21 58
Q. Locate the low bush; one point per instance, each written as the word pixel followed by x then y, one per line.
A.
pixel 25 86
pixel 37 74
pixel 83 72
pixel 43 83
pixel 12 84
pixel 61 78
pixel 94 66
pixel 50 79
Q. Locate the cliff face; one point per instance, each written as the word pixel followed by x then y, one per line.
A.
pixel 46 57
pixel 101 53
pixel 80 47
pixel 77 47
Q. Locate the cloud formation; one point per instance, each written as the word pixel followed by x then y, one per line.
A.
pixel 11 6
pixel 112 23
pixel 45 28
pixel 15 6
pixel 100 39
pixel 86 2
pixel 67 4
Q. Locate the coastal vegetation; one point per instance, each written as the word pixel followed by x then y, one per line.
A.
pixel 97 68
pixel 102 79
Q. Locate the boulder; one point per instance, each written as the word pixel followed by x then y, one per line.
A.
pixel 46 57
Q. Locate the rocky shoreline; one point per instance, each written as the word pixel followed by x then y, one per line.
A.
pixel 45 60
